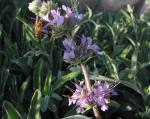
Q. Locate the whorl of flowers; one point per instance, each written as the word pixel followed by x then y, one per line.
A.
pixel 79 52
pixel 100 95
pixel 62 16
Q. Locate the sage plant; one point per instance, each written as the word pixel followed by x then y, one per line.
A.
pixel 64 19
pixel 86 95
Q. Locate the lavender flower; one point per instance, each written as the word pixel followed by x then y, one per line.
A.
pixel 80 98
pixel 71 14
pixel 57 19
pixel 69 44
pixel 71 17
pixel 101 93
pixel 77 53
pixel 87 42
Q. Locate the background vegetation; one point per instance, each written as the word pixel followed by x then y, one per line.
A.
pixel 34 77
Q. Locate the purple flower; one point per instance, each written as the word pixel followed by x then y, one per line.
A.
pixel 69 45
pixel 101 93
pixel 80 110
pixel 70 13
pixel 87 42
pixel 57 19
pixel 77 53
pixel 62 19
pixel 76 95
pixel 80 98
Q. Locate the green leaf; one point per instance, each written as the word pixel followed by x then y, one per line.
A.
pixel 144 65
pixel 111 67
pixel 89 15
pixel 77 117
pixel 126 51
pixel 64 79
pixel 100 77
pixel 44 103
pixel 132 84
pixel 112 31
pixel 47 85
pixel 24 22
pixel 11 111
pixel 37 75
pixel 114 104
pixel 3 79
pixel 24 88
pixel 52 106
pixel 134 61
pixel 34 111
pixel 56 96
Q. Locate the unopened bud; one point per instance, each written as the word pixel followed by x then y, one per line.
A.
pixel 34 6
pixel 46 6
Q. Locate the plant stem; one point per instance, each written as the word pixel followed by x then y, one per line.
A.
pixel 89 88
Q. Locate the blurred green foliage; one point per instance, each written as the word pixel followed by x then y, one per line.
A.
pixel 34 78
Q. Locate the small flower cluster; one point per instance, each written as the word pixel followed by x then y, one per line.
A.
pixel 101 93
pixel 77 53
pixel 54 16
pixel 59 19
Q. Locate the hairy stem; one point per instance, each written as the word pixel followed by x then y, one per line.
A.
pixel 89 88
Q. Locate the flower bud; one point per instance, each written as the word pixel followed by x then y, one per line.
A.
pixel 34 6
pixel 45 7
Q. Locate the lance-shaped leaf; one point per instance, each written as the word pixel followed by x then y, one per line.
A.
pixel 11 111
pixel 111 67
pixel 134 61
pixel 64 79
pixel 47 85
pixel 24 88
pixel 35 105
pixel 37 75
pixel 3 79
pixel 44 103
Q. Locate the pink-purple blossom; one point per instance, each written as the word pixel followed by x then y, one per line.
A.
pixel 57 19
pixel 70 13
pixel 79 52
pixel 100 95
pixel 80 98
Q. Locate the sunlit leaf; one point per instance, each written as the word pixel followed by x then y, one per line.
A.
pixel 34 111
pixel 11 111
pixel 47 85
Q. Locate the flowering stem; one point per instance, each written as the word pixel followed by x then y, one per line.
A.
pixel 89 88
pixel 87 81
